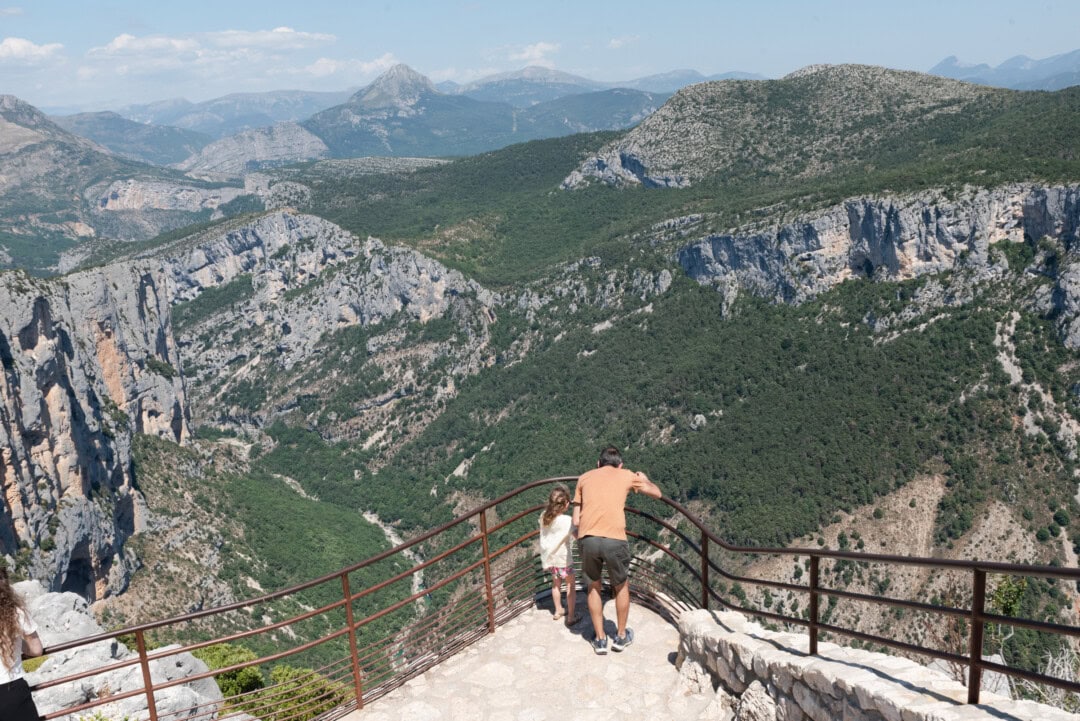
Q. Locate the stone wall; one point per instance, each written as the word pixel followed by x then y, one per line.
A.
pixel 761 675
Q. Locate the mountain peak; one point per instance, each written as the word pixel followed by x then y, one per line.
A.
pixel 20 112
pixel 398 86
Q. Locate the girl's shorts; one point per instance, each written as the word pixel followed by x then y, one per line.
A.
pixel 561 571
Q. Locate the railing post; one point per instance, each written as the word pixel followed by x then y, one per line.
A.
pixel 704 570
pixel 814 607
pixel 357 682
pixel 487 573
pixel 978 604
pixel 148 684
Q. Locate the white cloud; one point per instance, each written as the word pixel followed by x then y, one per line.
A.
pixel 536 54
pixel 622 42
pixel 282 38
pixel 8 12
pixel 351 70
pixel 462 76
pixel 24 51
pixel 151 45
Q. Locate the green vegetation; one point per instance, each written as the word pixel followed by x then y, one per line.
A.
pixel 163 369
pixel 231 683
pixel 515 222
pixel 293 690
pixel 212 300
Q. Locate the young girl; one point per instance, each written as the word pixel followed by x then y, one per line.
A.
pixel 556 556
pixel 18 640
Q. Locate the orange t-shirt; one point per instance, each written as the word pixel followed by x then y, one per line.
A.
pixel 601 493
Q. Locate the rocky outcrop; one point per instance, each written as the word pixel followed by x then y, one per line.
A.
pixel 88 360
pixel 798 126
pixel 285 252
pixel 884 239
pixel 135 194
pixel 309 277
pixel 64 617
pixel 256 149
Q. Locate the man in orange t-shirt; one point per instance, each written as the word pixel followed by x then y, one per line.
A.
pixel 600 519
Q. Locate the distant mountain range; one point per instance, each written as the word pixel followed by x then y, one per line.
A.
pixel 400 114
pixel 1019 72
pixel 403 114
pixel 530 86
pixel 236 112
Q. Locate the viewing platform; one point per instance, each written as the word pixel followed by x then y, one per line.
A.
pixel 536 669
pixel 455 623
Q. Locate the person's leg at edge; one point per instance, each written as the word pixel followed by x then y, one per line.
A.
pixel 556 594
pixel 596 609
pixel 622 606
pixel 571 597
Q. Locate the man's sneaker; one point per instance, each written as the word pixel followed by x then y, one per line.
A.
pixel 618 643
pixel 599 645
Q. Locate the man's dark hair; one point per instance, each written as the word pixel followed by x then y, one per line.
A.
pixel 610 456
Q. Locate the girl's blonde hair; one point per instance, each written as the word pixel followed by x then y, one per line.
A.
pixel 557 502
pixel 10 631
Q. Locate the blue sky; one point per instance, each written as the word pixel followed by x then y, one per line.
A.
pixel 102 54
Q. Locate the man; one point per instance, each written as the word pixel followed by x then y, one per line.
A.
pixel 600 519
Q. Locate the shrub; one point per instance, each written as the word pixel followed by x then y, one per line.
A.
pixel 232 683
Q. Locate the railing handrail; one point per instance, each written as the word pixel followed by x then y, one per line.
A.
pixel 977 615
pixel 1018 569
pixel 274 595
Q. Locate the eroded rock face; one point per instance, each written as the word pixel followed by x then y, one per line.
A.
pixel 87 360
pixel 143 195
pixel 884 239
pixel 283 252
pixel 259 148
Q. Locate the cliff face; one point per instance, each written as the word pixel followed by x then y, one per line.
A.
pixel 87 361
pixel 895 239
pixel 259 148
pixel 302 292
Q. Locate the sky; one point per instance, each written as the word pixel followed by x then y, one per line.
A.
pixel 95 55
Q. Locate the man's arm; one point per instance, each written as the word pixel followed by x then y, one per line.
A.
pixel 575 516
pixel 642 484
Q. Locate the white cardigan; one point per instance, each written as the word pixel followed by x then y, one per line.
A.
pixel 14 670
pixel 555 543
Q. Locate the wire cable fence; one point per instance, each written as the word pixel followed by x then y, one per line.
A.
pixel 357 642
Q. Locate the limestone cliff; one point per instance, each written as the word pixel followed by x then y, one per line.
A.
pixel 890 238
pixel 254 149
pixel 296 283
pixel 88 359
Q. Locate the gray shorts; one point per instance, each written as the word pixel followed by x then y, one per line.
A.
pixel 598 552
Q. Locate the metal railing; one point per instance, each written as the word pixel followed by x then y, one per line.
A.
pixel 366 638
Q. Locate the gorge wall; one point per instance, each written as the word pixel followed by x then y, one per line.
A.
pixel 88 360
pixel 889 238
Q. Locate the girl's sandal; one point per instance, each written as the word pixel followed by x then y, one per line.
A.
pixel 573 621
pixel 558 615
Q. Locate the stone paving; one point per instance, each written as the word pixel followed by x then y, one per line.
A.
pixel 536 669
